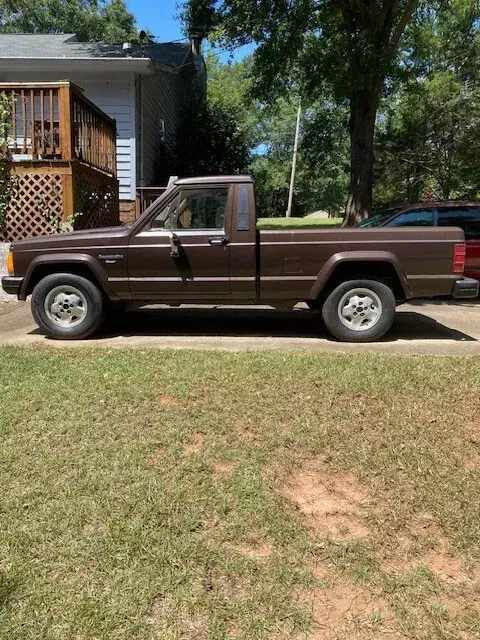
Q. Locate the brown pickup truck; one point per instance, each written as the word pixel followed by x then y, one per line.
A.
pixel 198 243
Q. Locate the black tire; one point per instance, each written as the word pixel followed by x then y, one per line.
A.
pixel 90 303
pixel 382 310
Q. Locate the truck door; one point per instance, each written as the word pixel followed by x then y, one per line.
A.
pixel 184 250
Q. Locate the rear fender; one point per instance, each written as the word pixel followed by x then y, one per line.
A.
pixel 346 257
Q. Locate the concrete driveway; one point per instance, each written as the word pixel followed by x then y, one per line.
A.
pixel 422 327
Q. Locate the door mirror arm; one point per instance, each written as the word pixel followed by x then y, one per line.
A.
pixel 174 242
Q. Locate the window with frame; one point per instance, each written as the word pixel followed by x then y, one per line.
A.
pixel 467 218
pixel 194 208
pixel 415 218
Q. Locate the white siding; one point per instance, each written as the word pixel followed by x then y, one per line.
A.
pixel 117 98
pixel 113 94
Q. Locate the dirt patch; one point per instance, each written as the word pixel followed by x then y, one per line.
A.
pixel 249 432
pixel 168 619
pixel 423 543
pixel 346 610
pixel 472 463
pixel 255 551
pixel 321 571
pixel 152 458
pixel 473 433
pixel 167 400
pixel 332 502
pixel 223 468
pixel 196 443
pixel 447 568
pixel 454 606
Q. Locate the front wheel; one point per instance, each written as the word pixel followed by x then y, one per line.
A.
pixel 67 306
pixel 359 310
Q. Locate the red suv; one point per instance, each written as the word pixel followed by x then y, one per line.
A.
pixel 465 215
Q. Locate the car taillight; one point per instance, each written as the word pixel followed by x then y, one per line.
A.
pixel 459 258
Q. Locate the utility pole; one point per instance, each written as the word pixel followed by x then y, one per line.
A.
pixel 294 162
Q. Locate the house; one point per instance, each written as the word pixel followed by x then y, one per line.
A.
pixel 145 89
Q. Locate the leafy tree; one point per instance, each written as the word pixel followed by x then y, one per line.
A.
pixel 431 139
pixel 211 143
pixel 199 17
pixel 321 180
pixel 120 25
pixel 90 20
pixel 229 87
pixel 348 47
pixel 429 135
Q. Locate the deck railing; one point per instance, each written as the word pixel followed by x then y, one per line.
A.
pixel 55 121
pixel 145 197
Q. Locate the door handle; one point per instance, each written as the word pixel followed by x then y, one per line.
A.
pixel 219 241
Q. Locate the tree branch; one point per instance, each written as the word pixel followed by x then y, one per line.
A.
pixel 388 10
pixel 363 11
pixel 400 28
pixel 346 10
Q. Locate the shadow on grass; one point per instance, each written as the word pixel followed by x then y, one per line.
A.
pixel 7 589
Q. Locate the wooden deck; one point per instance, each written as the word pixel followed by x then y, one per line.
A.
pixel 62 150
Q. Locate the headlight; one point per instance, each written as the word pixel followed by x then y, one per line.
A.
pixel 10 269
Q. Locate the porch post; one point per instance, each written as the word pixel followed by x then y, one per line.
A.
pixel 66 121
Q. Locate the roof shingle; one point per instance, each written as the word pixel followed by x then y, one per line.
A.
pixel 66 45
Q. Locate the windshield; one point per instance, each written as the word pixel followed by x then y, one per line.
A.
pixel 377 219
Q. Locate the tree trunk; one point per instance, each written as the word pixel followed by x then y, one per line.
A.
pixel 363 112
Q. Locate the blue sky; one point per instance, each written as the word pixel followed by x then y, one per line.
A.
pixel 159 17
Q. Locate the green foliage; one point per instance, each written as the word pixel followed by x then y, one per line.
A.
pixel 346 49
pixel 270 131
pixel 7 181
pixel 90 20
pixel 199 17
pixel 428 131
pixel 429 136
pixel 298 223
pixel 229 87
pixel 321 180
pixel 210 142
pixel 119 23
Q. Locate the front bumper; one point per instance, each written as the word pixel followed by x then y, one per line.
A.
pixel 465 288
pixel 12 285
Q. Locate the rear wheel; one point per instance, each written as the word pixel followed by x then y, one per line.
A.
pixel 67 306
pixel 359 310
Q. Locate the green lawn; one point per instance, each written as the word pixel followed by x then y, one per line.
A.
pixel 188 495
pixel 302 223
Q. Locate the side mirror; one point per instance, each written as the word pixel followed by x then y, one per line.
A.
pixel 174 242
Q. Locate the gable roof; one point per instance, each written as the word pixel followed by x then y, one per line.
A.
pixel 26 46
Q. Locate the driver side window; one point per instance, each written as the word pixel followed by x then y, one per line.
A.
pixel 194 208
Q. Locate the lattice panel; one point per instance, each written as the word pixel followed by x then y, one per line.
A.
pixel 36 208
pixel 96 197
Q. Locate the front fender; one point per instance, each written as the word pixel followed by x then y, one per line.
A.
pixel 358 256
pixel 68 258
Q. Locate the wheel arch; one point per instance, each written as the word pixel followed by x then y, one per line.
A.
pixel 380 265
pixel 78 264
